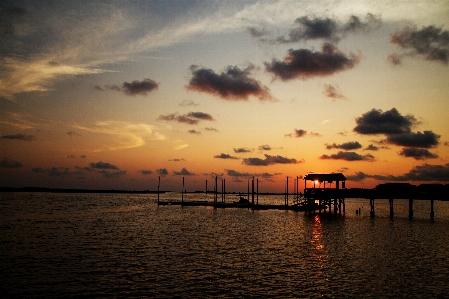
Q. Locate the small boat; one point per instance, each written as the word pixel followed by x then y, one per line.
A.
pixel 242 201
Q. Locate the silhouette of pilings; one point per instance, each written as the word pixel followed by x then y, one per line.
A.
pixel 326 197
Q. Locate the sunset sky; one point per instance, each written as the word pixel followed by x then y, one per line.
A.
pixel 114 94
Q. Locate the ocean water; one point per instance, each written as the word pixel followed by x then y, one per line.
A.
pixel 124 245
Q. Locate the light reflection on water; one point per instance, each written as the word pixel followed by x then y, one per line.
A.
pixel 121 245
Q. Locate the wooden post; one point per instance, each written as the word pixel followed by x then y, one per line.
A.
pixel 206 189
pixel 257 192
pixel 224 190
pixel 410 208
pixel 391 208
pixel 182 192
pixel 335 205
pixel 371 203
pixel 216 190
pixel 286 193
pixel 158 185
pixel 432 213
pixel 252 191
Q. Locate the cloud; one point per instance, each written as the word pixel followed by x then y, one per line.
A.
pixel 388 122
pixel 193 132
pixel 427 139
pixel 188 103
pixel 103 165
pixel 305 64
pixel 183 171
pixel 191 118
pixel 371 147
pixel 269 160
pixel 358 176
pixel 430 42
pixel 332 92
pixel 54 171
pixel 176 160
pixel 145 171
pixel 235 173
pixel 348 156
pixel 300 133
pixel 108 170
pixel 417 153
pixel 72 133
pixel 140 87
pixel 162 171
pixel 328 29
pixel 22 137
pixel 425 172
pixel 242 150
pixel 352 145
pixel 210 129
pixel 225 156
pixel 232 84
pixel 6 163
pixel 124 135
pixel 265 147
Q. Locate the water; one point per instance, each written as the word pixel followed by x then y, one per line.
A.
pixel 121 245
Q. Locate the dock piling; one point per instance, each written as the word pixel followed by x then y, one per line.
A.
pixel 391 207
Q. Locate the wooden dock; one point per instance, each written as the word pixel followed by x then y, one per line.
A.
pixel 319 198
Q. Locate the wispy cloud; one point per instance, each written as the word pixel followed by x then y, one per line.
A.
pixel 125 135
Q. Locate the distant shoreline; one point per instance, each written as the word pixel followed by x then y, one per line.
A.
pixel 62 190
pixel 57 190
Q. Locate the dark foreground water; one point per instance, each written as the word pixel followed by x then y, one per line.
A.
pixel 119 245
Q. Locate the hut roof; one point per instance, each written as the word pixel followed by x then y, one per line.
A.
pixel 325 177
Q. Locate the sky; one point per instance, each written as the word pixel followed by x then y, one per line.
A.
pixel 117 94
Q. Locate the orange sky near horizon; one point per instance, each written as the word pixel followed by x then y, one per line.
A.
pixel 113 95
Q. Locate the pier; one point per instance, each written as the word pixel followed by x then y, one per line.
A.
pixel 324 192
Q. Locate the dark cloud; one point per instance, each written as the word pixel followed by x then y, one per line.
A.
pixel 305 64
pixel 235 173
pixel 427 139
pixel 6 163
pixel 107 170
pixel 265 147
pixel 19 137
pixel 210 129
pixel 225 156
pixel 255 32
pixel 139 87
pixel 313 134
pixel 328 29
pixel 188 103
pixel 71 134
pixel 371 147
pixel 359 176
pixel 417 153
pixel 193 132
pixel 351 145
pixel 242 150
pixel 176 160
pixel 112 174
pixel 300 133
pixel 232 84
pixel 332 92
pixel 7 21
pixel 200 115
pixel 191 118
pixel 425 172
pixel 269 160
pixel 103 165
pixel 430 42
pixel 145 171
pixel 388 122
pixel 162 171
pixel 54 171
pixel 183 171
pixel 348 156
